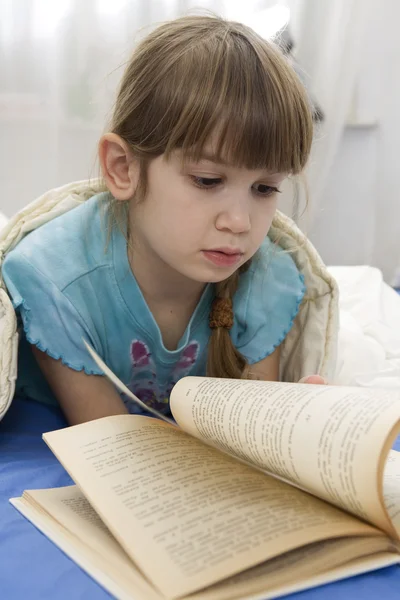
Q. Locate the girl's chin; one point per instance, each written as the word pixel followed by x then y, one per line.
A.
pixel 214 275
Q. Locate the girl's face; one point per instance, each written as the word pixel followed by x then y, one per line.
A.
pixel 204 219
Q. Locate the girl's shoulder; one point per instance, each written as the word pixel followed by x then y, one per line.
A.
pixel 49 275
pixel 266 302
pixel 66 246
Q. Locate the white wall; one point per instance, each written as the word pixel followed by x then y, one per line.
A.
pixel 362 198
pixel 37 155
pixel 347 211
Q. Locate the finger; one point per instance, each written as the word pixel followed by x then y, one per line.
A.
pixel 314 379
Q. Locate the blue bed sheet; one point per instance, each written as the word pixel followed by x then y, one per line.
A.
pixel 33 567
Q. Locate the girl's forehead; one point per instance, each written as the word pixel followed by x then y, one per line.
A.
pixel 209 157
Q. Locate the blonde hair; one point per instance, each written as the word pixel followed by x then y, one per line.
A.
pixel 199 76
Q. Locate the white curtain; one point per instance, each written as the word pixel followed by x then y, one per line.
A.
pixel 60 62
pixel 350 52
pixel 330 38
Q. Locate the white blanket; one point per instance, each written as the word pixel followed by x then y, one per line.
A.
pixel 369 332
pixel 3 220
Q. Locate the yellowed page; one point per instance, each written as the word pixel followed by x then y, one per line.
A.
pixel 313 564
pixel 391 488
pixel 122 387
pixel 70 510
pixel 327 439
pixel 64 515
pixel 76 547
pixel 187 514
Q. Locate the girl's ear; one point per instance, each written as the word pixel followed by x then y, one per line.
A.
pixel 119 167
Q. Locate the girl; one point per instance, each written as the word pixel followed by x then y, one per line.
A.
pixel 169 270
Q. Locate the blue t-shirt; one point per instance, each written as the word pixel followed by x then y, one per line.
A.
pixel 68 281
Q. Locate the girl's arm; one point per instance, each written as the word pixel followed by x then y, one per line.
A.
pixel 81 397
pixel 268 370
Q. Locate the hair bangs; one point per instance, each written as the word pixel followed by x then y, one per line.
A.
pixel 242 104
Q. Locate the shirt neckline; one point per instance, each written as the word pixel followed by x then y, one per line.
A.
pixel 137 306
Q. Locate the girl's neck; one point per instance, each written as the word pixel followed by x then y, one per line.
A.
pixel 159 283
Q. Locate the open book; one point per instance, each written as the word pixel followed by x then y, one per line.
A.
pixel 259 489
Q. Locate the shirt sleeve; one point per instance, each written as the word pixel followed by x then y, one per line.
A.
pixel 50 320
pixel 266 303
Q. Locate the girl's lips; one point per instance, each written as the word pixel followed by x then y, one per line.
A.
pixel 223 259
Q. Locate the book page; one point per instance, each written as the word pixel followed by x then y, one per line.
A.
pixel 187 514
pixel 293 568
pixel 64 515
pixel 70 509
pixel 329 440
pixel 391 488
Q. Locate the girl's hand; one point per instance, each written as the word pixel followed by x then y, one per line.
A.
pixel 315 379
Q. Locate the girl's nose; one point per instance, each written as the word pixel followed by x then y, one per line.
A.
pixel 235 217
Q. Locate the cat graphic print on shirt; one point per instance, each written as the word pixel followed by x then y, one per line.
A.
pixel 145 381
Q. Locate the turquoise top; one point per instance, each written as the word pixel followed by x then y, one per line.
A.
pixel 68 283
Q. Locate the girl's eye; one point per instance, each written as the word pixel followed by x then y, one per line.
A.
pixel 262 189
pixel 205 182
